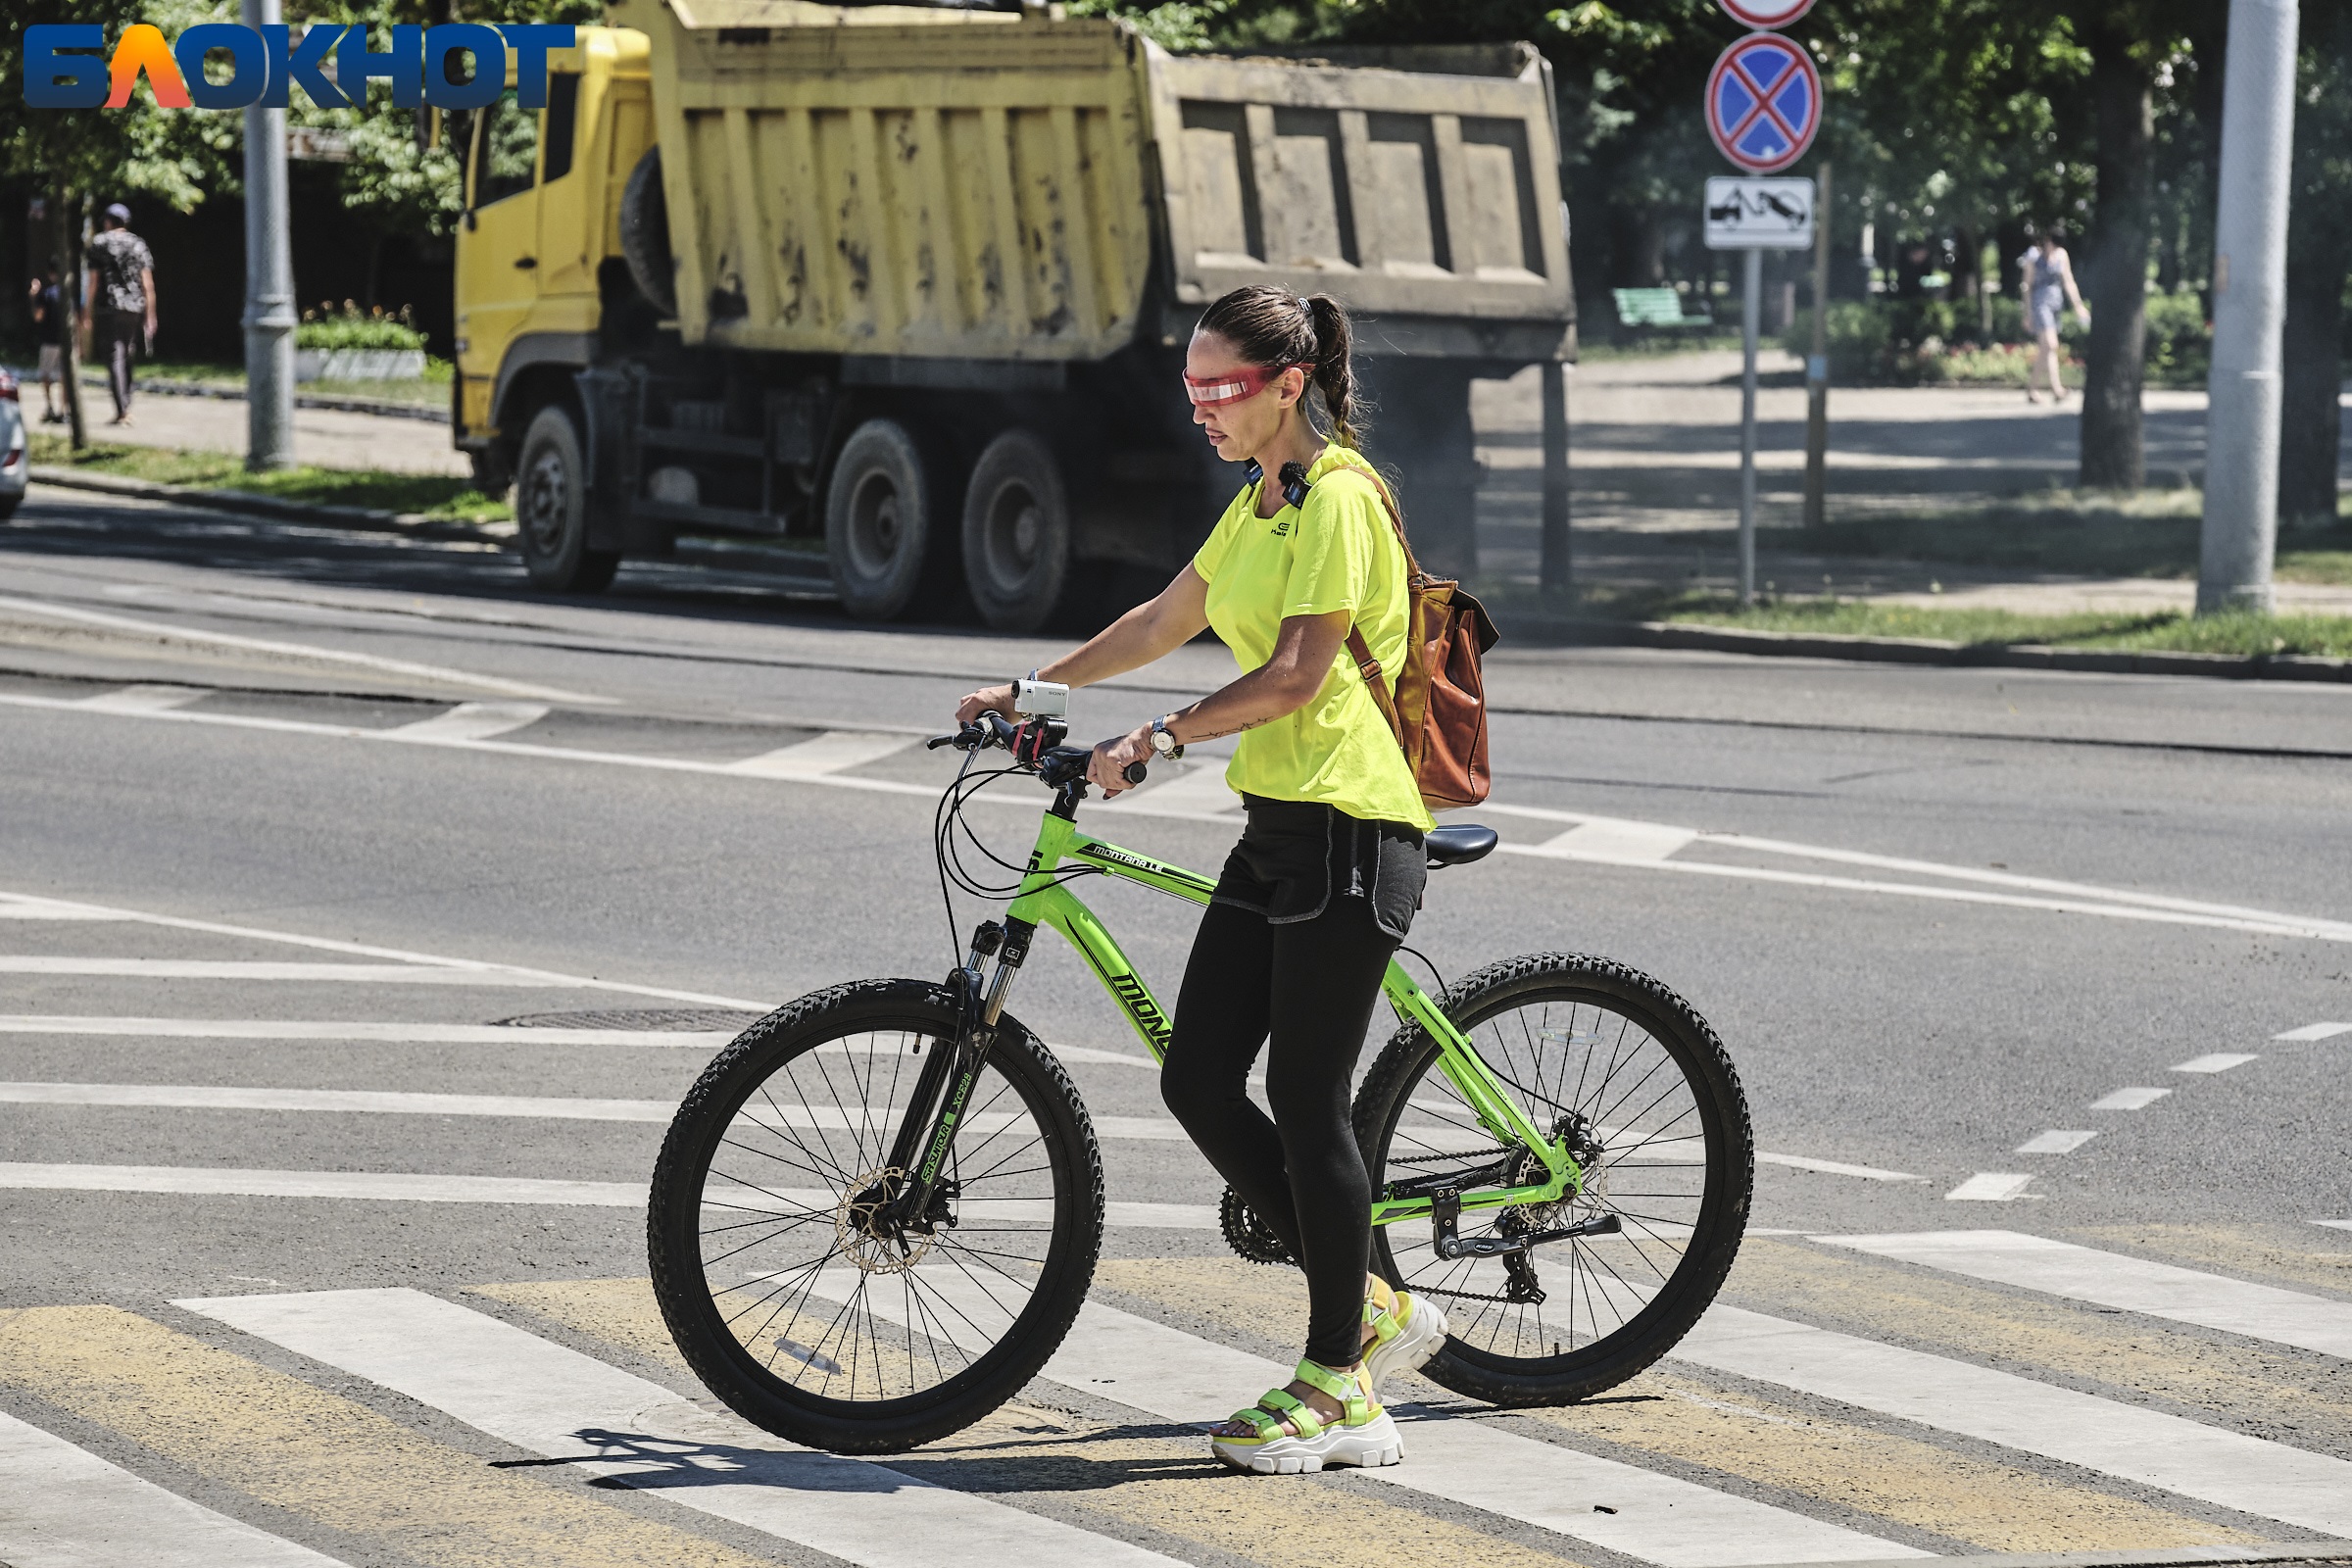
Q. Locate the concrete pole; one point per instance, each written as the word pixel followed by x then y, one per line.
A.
pixel 2249 309
pixel 1751 319
pixel 269 281
pixel 1817 367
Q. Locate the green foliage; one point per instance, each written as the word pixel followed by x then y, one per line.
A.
pixel 1916 342
pixel 350 328
pixel 437 498
pixel 2162 631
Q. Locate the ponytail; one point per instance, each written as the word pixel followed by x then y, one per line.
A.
pixel 1270 326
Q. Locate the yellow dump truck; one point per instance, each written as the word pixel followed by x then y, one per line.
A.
pixel 916 282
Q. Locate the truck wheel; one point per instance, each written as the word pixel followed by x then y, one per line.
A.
pixel 1017 532
pixel 551 510
pixel 645 234
pixel 879 521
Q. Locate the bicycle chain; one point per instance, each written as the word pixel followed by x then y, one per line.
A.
pixel 1497 1152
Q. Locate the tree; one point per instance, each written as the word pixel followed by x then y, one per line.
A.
pixel 2319 255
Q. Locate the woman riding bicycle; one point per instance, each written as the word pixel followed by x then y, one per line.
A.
pixel 1322 887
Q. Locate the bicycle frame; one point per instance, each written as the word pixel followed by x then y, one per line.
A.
pixel 1045 898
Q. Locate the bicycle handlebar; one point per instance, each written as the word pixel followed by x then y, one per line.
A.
pixel 1062 764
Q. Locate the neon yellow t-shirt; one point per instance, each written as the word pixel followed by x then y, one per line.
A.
pixel 1340 553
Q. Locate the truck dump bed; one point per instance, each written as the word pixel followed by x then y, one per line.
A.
pixel 937 184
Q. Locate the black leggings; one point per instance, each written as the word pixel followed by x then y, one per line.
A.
pixel 1310 984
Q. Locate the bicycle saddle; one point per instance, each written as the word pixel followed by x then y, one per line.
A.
pixel 1459 845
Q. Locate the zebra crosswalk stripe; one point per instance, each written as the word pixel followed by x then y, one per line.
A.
pixel 2227 1468
pixel 1658 1518
pixel 2126 1284
pixel 63 1507
pixel 559 1404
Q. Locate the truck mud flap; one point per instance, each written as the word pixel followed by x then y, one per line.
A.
pixel 609 400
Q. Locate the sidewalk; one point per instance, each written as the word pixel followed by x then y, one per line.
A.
pixel 329 438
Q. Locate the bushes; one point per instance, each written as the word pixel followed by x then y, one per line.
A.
pixel 352 328
pixel 1887 342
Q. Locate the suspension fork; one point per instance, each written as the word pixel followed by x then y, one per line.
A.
pixel 944 1088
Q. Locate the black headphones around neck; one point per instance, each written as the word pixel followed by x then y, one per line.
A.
pixel 1293 480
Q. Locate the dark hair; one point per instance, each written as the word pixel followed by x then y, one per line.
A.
pixel 1272 326
pixel 2055 234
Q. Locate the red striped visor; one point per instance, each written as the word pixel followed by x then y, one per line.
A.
pixel 1232 386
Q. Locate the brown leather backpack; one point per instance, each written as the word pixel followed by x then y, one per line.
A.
pixel 1439 713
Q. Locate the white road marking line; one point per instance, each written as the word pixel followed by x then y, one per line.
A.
pixel 1182 1377
pixel 1200 787
pixel 1988 1186
pixel 557 1402
pixel 2230 1469
pixel 174 922
pixel 2129 1100
pixel 471 721
pixel 206 1181
pixel 2216 1061
pixel 2126 1284
pixel 420 974
pixel 13 907
pixel 824 754
pixel 63 1507
pixel 143 699
pixel 2104 903
pixel 1605 838
pixel 2316 1030
pixel 415 1034
pixel 163 631
pixel 1832 1167
pixel 2057 1141
pixel 198 1096
pixel 2335 1224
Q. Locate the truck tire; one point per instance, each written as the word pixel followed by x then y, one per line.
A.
pixel 878 513
pixel 645 234
pixel 1017 532
pixel 551 509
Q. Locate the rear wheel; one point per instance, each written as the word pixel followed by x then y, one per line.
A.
pixel 1017 532
pixel 1637 1081
pixel 879 514
pixel 777 1291
pixel 551 509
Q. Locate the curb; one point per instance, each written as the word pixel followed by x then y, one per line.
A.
pixel 367 519
pixel 1923 650
pixel 197 389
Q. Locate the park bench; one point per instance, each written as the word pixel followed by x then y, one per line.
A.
pixel 1655 307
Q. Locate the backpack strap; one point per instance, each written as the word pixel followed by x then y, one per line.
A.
pixel 1365 663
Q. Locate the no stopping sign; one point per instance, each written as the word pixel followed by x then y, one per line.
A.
pixel 1764 103
pixel 1766 13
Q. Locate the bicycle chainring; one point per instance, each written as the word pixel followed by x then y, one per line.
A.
pixel 1247 1234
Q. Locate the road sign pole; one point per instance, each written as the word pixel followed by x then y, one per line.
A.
pixel 2249 308
pixel 269 281
pixel 1751 314
pixel 1817 367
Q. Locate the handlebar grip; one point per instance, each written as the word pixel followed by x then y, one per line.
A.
pixel 1134 773
pixel 936 740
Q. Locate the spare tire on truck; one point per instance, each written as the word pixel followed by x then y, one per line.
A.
pixel 879 521
pixel 1017 532
pixel 645 234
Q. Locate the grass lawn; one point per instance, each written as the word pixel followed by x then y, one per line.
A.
pixel 441 498
pixel 2151 535
pixel 2164 631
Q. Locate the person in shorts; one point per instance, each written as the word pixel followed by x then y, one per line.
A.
pixel 119 301
pixel 2048 285
pixel 49 321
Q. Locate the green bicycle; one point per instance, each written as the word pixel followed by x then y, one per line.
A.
pixel 877 1212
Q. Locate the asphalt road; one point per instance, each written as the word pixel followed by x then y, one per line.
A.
pixel 1934 915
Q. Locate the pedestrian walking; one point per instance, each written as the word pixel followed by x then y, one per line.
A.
pixel 1324 883
pixel 2046 286
pixel 49 324
pixel 118 301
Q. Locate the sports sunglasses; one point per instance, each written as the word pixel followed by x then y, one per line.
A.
pixel 1232 386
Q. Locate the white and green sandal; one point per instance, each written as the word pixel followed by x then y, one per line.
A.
pixel 1364 1434
pixel 1406 1333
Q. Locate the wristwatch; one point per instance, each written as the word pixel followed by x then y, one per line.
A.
pixel 1163 740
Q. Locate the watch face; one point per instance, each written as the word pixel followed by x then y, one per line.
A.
pixel 1162 741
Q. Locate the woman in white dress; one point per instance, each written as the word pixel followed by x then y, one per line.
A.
pixel 2046 286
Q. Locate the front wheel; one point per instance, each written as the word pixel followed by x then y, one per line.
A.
pixel 775 1286
pixel 1646 1094
pixel 551 509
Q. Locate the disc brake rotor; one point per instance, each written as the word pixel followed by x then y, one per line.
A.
pixel 856 1221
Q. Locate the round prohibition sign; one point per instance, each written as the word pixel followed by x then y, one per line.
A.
pixel 1764 103
pixel 1766 13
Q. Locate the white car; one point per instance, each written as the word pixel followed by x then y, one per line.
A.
pixel 13 464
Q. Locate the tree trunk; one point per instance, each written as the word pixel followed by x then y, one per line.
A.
pixel 2116 271
pixel 2311 432
pixel 68 207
